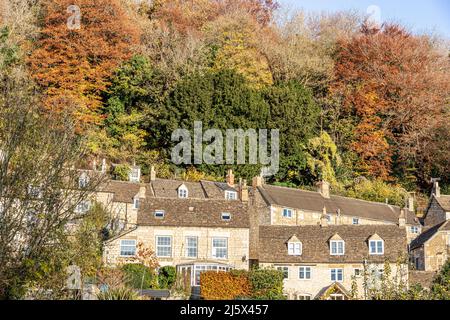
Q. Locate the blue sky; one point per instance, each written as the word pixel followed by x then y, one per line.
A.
pixel 419 16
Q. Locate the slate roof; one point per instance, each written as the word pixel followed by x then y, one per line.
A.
pixel 314 201
pixel 428 234
pixel 315 243
pixel 444 202
pixel 193 213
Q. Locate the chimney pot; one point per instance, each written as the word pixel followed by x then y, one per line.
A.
pixel 324 189
pixel 324 218
pixel 152 173
pixel 243 190
pixel 257 182
pixel 230 178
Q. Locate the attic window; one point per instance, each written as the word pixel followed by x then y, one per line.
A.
pixel 376 247
pixel 226 216
pixel 295 248
pixel 182 192
pixel 230 195
pixel 337 247
pixel 159 214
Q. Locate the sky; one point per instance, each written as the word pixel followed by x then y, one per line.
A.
pixel 419 16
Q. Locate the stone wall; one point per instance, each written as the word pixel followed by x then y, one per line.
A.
pixel 435 214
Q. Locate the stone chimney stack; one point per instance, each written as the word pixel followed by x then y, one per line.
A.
pixel 324 189
pixel 152 173
pixel 142 192
pixel 411 203
pixel 402 219
pixel 230 178
pixel 436 188
pixel 324 218
pixel 103 165
pixel 94 165
pixel 338 217
pixel 243 190
pixel 257 182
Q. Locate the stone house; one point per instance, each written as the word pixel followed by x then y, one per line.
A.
pixel 438 209
pixel 324 261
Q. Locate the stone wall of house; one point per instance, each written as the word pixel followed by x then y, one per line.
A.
pixel 124 213
pixel 238 244
pixel 435 214
pixel 321 278
pixel 418 258
pixel 436 251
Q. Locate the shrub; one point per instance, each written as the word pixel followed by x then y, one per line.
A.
pixel 139 276
pixel 166 277
pixel 122 293
pixel 224 285
pixel 267 284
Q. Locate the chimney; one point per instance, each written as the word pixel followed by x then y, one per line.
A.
pixel 323 218
pixel 243 190
pixel 230 178
pixel 324 189
pixel 257 182
pixel 411 203
pixel 338 217
pixel 103 165
pixel 436 189
pixel 402 219
pixel 94 165
pixel 152 173
pixel 142 192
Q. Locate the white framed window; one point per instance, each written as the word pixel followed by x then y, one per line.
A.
pixel 337 247
pixel 358 272
pixel 220 248
pixel 414 229
pixel 136 203
pixel 164 246
pixel 183 192
pixel 303 297
pixel 83 180
pixel 337 274
pixel 191 247
pixel 83 206
pixel 226 216
pixel 135 174
pixel 304 273
pixel 230 195
pixel 355 221
pixel 159 214
pixel 295 248
pixel 376 247
pixel 127 248
pixel 336 296
pixel 285 271
pixel 287 213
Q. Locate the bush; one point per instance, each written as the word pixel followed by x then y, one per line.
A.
pixel 166 277
pixel 139 276
pixel 267 284
pixel 122 293
pixel 224 285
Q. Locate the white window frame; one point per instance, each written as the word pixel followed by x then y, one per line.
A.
pixel 376 247
pixel 224 216
pixel 183 192
pixel 337 242
pixel 135 174
pixel 303 296
pixel 163 246
pixel 295 248
pixel 214 249
pixel 83 206
pixel 414 229
pixel 157 212
pixel 355 221
pixel 335 295
pixel 287 210
pixel 191 247
pixel 131 244
pixel 230 195
pixel 284 269
pixel 305 272
pixel 336 271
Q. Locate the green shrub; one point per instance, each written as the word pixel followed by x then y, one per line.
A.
pixel 138 276
pixel 121 172
pixel 267 284
pixel 166 277
pixel 122 293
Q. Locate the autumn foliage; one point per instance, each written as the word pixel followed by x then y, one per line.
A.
pixel 73 65
pixel 224 285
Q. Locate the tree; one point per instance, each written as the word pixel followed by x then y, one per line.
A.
pixel 73 65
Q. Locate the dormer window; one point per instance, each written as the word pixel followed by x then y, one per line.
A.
pixel 183 192
pixel 135 174
pixel 295 248
pixel 376 247
pixel 135 203
pixel 287 213
pixel 230 195
pixel 83 180
pixel 337 247
pixel 159 214
pixel 226 216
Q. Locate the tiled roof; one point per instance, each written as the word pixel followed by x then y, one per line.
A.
pixel 123 191
pixel 429 233
pixel 315 243
pixel 314 201
pixel 444 202
pixel 168 188
pixel 193 213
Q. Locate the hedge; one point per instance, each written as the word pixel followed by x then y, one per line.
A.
pixel 223 285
